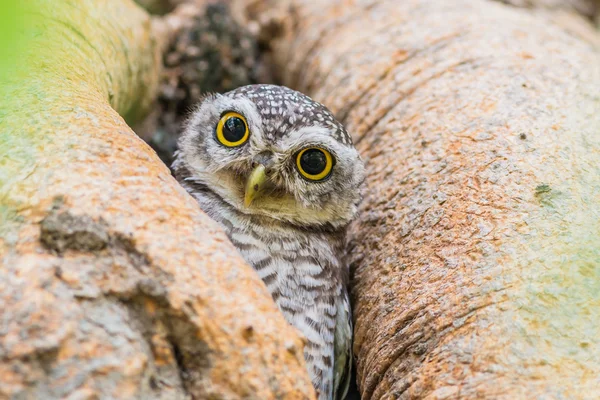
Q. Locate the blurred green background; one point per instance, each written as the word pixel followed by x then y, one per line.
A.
pixel 14 33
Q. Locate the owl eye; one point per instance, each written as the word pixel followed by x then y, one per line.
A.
pixel 232 130
pixel 314 164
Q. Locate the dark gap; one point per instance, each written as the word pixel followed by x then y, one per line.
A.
pixel 214 54
pixel 179 359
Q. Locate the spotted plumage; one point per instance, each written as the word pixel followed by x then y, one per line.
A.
pixel 282 177
pixel 283 109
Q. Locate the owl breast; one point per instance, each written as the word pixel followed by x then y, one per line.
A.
pixel 303 272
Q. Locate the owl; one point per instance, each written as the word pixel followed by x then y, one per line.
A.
pixel 283 178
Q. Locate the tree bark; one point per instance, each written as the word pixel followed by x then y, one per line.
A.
pixel 476 256
pixel 113 284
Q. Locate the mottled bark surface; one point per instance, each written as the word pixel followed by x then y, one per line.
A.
pixel 113 284
pixel 477 252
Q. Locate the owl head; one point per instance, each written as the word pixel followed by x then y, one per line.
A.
pixel 271 151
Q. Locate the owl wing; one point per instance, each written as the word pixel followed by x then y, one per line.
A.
pixel 342 347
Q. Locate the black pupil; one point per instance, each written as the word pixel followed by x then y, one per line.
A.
pixel 313 161
pixel 234 129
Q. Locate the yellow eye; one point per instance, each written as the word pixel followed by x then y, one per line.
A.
pixel 232 130
pixel 314 163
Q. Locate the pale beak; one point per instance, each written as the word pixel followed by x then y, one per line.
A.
pixel 254 184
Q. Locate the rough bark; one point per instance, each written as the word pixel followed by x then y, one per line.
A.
pixel 113 284
pixel 476 257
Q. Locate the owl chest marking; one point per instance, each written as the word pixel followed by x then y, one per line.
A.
pixel 290 262
pixel 303 273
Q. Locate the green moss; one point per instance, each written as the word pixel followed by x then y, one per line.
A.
pixel 543 188
pixel 558 275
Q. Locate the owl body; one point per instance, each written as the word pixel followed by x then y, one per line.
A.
pixel 285 195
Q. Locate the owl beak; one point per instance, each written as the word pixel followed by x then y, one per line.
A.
pixel 254 184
